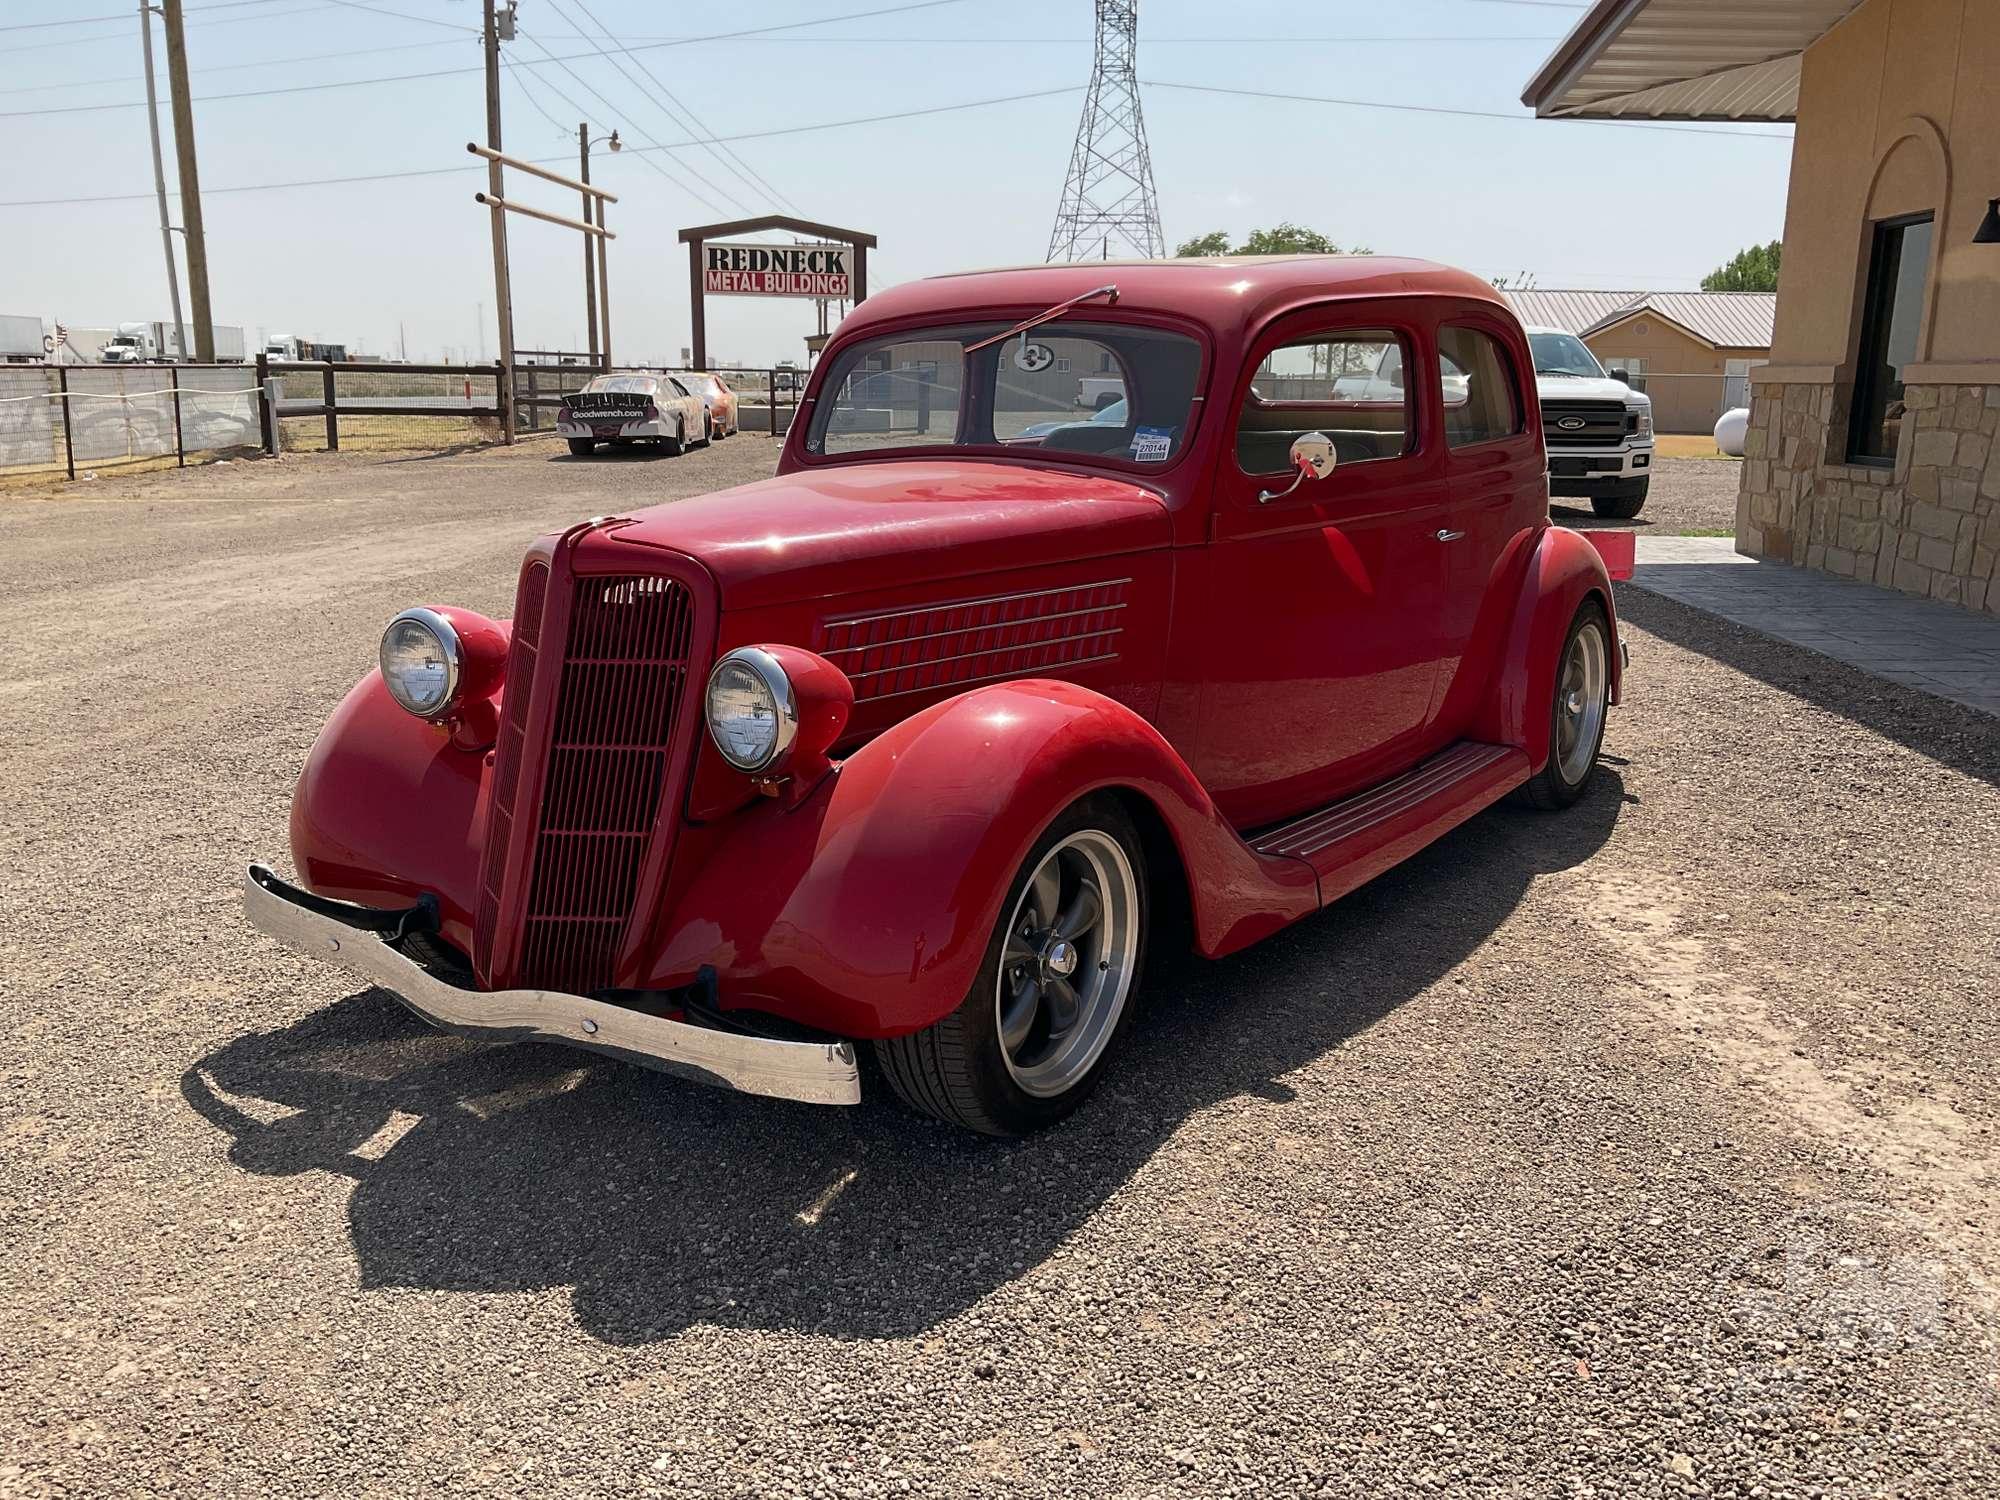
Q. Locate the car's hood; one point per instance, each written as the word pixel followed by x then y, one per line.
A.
pixel 821 532
pixel 1584 388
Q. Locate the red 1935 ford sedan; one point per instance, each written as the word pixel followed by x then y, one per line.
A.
pixel 923 742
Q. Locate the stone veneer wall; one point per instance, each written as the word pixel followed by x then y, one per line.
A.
pixel 1929 526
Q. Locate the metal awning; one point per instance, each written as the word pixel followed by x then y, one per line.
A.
pixel 1683 60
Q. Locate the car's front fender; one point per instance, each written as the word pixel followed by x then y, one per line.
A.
pixel 867 908
pixel 387 809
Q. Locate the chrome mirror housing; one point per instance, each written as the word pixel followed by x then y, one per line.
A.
pixel 1313 457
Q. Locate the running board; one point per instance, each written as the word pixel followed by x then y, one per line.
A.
pixel 1351 841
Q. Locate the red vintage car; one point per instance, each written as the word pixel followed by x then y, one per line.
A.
pixel 924 742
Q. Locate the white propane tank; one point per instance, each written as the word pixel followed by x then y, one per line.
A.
pixel 1729 431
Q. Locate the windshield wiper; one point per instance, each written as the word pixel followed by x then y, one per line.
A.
pixel 1573 374
pixel 1048 315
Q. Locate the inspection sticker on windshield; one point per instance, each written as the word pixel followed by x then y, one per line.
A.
pixel 1151 445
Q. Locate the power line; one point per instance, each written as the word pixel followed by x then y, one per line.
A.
pixel 91 41
pixel 126 19
pixel 692 122
pixel 588 88
pixel 527 93
pixel 305 88
pixel 1440 109
pixel 376 10
pixel 268 187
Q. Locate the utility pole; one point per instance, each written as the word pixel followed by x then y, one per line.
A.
pixel 589 252
pixel 503 295
pixel 197 242
pixel 160 179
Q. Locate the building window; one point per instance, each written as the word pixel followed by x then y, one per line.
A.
pixel 1898 268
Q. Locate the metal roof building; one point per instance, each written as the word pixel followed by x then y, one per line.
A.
pixel 1722 320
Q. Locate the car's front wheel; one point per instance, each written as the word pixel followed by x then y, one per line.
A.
pixel 1057 987
pixel 1579 706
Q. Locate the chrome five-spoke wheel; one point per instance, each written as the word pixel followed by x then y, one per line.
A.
pixel 1581 696
pixel 1067 962
pixel 1581 702
pixel 1058 982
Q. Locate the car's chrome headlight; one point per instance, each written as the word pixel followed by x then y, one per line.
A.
pixel 752 714
pixel 1644 426
pixel 421 662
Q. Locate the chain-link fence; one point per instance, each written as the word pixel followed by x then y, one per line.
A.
pixel 84 416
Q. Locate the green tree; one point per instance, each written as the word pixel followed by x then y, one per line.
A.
pixel 1752 270
pixel 1216 242
pixel 1281 239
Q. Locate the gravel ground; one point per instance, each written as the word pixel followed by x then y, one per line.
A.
pixel 1687 495
pixel 1644 1149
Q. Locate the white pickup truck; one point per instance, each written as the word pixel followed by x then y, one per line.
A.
pixel 1597 430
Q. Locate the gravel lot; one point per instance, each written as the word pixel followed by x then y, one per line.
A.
pixel 1688 495
pixel 1644 1149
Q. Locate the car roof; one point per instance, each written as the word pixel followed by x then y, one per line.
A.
pixel 1224 292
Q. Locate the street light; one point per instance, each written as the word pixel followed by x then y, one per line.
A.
pixel 594 275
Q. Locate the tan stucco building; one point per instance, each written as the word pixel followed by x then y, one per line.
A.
pixel 1692 352
pixel 1872 451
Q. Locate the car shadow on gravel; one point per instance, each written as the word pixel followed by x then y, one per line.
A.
pixel 1951 734
pixel 663 1204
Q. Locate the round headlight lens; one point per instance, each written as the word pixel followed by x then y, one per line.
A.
pixel 751 713
pixel 420 662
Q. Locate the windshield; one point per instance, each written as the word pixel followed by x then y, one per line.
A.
pixel 1115 392
pixel 641 385
pixel 1563 354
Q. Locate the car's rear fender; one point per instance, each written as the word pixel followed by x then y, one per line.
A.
pixel 866 909
pixel 1562 571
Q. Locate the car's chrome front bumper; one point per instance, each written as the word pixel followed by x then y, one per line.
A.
pixel 812 1072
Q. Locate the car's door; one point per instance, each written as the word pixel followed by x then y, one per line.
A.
pixel 1496 491
pixel 1321 649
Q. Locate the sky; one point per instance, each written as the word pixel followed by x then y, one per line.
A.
pixel 775 87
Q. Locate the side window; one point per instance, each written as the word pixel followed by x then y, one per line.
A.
pixel 1480 403
pixel 1348 385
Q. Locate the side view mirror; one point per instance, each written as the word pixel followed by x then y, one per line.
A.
pixel 1313 457
pixel 1621 375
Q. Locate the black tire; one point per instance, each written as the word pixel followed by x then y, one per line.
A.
pixel 1552 787
pixel 581 447
pixel 957 1070
pixel 676 445
pixel 1627 503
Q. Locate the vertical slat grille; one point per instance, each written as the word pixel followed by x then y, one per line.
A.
pixel 624 678
pixel 521 660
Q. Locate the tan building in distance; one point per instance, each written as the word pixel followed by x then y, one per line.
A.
pixel 1872 450
pixel 1692 352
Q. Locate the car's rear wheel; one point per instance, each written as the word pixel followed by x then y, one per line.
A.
pixel 1579 706
pixel 1624 503
pixel 1056 990
pixel 677 444
pixel 581 447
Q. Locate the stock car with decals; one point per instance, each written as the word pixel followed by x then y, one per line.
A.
pixel 924 743
pixel 624 409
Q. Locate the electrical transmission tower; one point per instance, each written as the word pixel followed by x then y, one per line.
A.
pixel 1108 205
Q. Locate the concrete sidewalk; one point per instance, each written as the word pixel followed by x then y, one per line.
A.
pixel 1920 643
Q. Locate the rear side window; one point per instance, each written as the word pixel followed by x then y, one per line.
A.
pixel 1348 385
pixel 1481 400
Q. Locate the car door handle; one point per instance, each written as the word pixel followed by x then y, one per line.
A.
pixel 1449 536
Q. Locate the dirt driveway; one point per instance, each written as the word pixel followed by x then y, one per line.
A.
pixel 1643 1149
